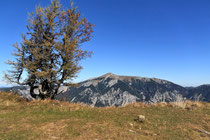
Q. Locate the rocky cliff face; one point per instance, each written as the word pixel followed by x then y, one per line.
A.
pixel 114 90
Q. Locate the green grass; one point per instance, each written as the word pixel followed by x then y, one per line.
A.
pixel 20 119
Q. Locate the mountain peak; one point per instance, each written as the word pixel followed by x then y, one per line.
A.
pixel 108 74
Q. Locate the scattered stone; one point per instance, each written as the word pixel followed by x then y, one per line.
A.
pixel 204 131
pixel 132 131
pixel 140 118
pixel 53 137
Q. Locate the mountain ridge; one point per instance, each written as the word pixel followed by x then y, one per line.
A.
pixel 117 90
pixel 110 89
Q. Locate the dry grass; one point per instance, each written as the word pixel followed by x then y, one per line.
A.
pixel 21 119
pixel 187 105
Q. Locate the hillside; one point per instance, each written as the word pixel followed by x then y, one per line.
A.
pixel 20 119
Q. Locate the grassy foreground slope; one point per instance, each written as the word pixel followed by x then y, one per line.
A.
pixel 20 119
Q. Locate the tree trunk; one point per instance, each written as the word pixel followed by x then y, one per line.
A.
pixel 32 87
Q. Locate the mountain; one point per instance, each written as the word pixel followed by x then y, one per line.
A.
pixel 115 90
pixel 200 93
pixel 23 91
pixel 6 89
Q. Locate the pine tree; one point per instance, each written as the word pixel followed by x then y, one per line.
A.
pixel 50 52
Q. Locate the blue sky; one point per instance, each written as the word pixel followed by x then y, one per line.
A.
pixel 167 39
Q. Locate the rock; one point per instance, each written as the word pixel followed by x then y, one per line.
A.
pixel 132 131
pixel 131 124
pixel 140 118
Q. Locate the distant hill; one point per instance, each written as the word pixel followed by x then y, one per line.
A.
pixel 14 88
pixel 115 90
pixel 200 93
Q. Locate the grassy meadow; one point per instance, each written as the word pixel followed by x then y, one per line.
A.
pixel 21 119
